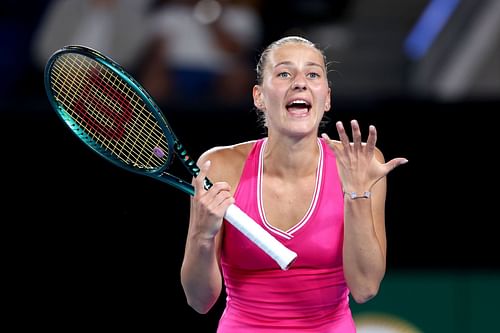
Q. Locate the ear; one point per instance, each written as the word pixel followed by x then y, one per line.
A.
pixel 328 101
pixel 258 99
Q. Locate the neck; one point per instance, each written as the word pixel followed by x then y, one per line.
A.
pixel 291 158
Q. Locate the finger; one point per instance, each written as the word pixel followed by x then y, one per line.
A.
pixel 219 198
pixel 356 134
pixel 395 162
pixel 330 142
pixel 326 137
pixel 223 198
pixel 372 139
pixel 221 187
pixel 342 134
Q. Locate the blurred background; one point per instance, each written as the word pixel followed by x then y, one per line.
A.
pixel 90 246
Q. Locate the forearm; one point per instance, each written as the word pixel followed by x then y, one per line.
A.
pixel 200 274
pixel 363 251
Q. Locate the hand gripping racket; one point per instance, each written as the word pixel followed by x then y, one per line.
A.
pixel 111 113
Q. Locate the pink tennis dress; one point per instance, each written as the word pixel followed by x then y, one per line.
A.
pixel 311 296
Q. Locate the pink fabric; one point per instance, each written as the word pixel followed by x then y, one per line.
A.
pixel 312 296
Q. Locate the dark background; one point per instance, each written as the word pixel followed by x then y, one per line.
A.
pixel 87 244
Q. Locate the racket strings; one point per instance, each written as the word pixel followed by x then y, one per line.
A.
pixel 105 124
pixel 102 95
pixel 108 111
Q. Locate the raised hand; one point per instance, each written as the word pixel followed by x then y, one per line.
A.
pixel 360 164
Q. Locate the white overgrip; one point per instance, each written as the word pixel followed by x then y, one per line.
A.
pixel 263 239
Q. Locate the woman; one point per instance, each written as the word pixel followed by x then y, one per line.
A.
pixel 321 198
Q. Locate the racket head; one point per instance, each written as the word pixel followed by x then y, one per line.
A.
pixel 108 110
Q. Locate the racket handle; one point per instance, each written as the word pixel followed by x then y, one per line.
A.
pixel 263 239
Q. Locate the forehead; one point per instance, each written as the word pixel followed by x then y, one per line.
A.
pixel 295 53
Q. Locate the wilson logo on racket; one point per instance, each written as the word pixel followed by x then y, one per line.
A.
pixel 100 107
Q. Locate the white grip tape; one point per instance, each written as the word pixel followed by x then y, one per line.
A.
pixel 263 239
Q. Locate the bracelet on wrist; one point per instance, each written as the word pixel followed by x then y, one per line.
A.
pixel 355 196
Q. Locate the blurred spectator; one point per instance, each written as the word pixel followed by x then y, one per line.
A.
pixel 113 27
pixel 296 17
pixel 201 51
pixel 16 29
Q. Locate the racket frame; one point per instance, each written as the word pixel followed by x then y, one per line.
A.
pixel 173 143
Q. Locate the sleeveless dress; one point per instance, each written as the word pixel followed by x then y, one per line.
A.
pixel 312 295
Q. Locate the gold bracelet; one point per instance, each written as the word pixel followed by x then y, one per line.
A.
pixel 354 195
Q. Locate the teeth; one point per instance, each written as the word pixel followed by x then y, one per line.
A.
pixel 299 101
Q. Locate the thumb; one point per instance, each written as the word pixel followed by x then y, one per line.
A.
pixel 395 162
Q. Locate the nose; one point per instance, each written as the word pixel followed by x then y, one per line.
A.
pixel 299 83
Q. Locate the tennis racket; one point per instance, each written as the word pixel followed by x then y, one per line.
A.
pixel 114 115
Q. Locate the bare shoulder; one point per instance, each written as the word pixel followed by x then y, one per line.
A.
pixel 227 161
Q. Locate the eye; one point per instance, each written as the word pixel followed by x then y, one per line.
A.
pixel 283 75
pixel 313 75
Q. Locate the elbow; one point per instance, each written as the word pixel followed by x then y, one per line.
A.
pixel 201 303
pixel 201 309
pixel 200 300
pixel 363 295
pixel 364 287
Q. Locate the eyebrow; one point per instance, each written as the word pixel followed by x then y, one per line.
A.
pixel 308 64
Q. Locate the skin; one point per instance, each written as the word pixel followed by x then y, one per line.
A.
pixel 293 71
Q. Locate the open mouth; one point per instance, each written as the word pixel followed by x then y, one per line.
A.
pixel 298 107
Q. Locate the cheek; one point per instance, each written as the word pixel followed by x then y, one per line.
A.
pixel 274 90
pixel 323 97
pixel 273 98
